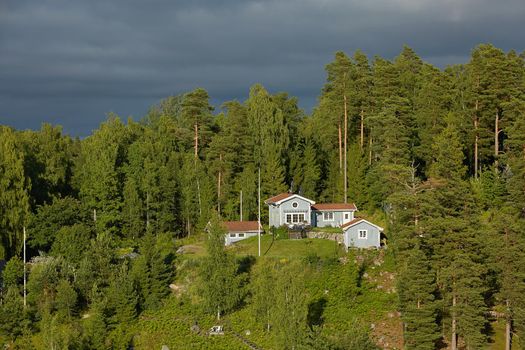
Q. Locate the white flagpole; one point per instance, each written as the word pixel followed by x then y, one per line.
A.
pixel 25 268
pixel 259 214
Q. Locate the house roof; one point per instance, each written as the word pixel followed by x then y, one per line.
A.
pixel 241 226
pixel 285 196
pixel 358 220
pixel 334 206
pixel 278 198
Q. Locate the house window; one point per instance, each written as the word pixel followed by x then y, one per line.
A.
pixel 328 216
pixel 295 205
pixel 295 218
pixel 232 235
pixel 241 235
pixel 363 234
pixel 347 216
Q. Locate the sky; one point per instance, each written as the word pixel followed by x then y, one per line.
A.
pixel 70 62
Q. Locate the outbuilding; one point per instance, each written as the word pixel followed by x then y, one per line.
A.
pixel 361 233
pixel 239 230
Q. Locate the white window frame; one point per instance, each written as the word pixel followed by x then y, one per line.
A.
pixel 347 216
pixel 295 218
pixel 295 204
pixel 241 235
pixel 365 234
pixel 233 235
pixel 328 216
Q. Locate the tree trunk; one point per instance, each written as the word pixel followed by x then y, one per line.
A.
pixel 345 151
pixel 370 151
pixel 340 148
pixel 362 141
pixel 147 210
pixel 508 328
pixel 496 140
pixel 219 185
pixel 454 340
pixel 196 147
pixel 476 142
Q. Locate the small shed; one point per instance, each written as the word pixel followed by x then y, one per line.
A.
pixel 239 230
pixel 361 233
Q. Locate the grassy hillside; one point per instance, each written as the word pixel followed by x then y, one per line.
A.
pixel 371 308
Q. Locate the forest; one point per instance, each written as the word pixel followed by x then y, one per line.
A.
pixel 437 154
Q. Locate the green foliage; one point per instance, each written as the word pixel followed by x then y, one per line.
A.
pixel 221 286
pixel 151 272
pixel 417 289
pixel 72 241
pixel 438 154
pixel 49 219
pixel 14 198
pixel 290 308
pixel 13 273
pixel 13 317
pixel 66 299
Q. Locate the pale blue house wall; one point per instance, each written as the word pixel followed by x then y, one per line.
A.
pixel 278 213
pixel 274 216
pixel 351 236
pixel 339 218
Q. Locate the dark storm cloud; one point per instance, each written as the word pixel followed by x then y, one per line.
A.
pixel 70 62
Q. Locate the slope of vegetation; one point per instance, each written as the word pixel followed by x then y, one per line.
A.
pixel 115 218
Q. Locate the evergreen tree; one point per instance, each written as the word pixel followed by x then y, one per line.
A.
pixel 418 307
pixel 13 317
pixel 66 299
pixel 13 273
pixel 457 250
pixel 122 298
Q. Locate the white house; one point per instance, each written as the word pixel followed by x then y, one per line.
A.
pixel 239 230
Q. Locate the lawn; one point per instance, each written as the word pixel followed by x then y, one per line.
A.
pixel 288 248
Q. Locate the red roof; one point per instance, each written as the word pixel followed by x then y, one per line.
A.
pixel 356 220
pixel 241 226
pixel 350 223
pixel 279 197
pixel 334 206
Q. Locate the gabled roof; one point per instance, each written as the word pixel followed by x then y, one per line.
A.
pixel 334 206
pixel 284 197
pixel 241 226
pixel 358 220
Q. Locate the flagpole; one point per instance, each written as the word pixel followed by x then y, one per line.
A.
pixel 25 269
pixel 259 215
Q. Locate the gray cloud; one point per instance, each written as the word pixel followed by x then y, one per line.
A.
pixel 70 62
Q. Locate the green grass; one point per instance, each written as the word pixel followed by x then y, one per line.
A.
pixel 288 248
pixel 327 229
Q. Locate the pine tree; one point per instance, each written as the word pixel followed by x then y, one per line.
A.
pixel 13 317
pixel 122 298
pixel 418 307
pixel 457 250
